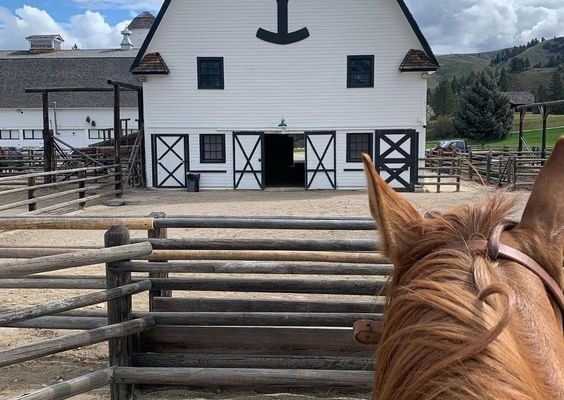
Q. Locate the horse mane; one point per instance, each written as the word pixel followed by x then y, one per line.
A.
pixel 446 316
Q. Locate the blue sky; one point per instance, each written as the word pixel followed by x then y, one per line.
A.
pixel 451 26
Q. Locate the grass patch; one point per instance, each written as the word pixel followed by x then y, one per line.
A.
pixel 533 133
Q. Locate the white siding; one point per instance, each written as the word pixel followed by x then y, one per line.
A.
pixel 72 125
pixel 305 82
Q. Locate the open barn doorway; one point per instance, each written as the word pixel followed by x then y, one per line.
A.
pixel 284 159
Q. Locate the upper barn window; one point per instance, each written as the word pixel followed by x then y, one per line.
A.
pixel 360 71
pixel 210 73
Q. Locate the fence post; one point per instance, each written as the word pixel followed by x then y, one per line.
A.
pixel 82 185
pixel 489 168
pixel 470 171
pixel 458 173
pixel 31 194
pixel 119 310
pixel 158 233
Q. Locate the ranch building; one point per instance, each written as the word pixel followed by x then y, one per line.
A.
pixel 79 119
pixel 255 94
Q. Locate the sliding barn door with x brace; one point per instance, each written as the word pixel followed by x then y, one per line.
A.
pixel 321 160
pixel 397 156
pixel 248 151
pixel 170 160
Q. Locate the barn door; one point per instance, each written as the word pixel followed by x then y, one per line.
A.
pixel 248 150
pixel 170 160
pixel 320 150
pixel 396 157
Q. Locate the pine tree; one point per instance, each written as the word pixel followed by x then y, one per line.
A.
pixel 485 114
pixel 556 89
pixel 503 82
pixel 443 99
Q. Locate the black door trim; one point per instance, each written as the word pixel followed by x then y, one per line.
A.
pixel 409 161
pixel 320 159
pixel 248 168
pixel 157 138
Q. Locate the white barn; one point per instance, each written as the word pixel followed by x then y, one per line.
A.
pixel 229 85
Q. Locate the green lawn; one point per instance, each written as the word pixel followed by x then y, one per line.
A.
pixel 533 133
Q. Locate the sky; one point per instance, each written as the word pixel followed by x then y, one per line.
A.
pixel 451 26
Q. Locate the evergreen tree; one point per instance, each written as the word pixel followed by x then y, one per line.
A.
pixel 443 99
pixel 541 95
pixel 485 114
pixel 556 89
pixel 503 82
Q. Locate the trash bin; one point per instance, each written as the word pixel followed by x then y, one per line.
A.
pixel 193 182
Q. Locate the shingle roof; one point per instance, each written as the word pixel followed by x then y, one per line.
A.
pixel 417 60
pixel 151 64
pixel 142 21
pixel 520 98
pixel 22 70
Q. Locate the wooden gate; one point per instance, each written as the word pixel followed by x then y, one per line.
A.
pixel 320 159
pixel 248 150
pixel 170 160
pixel 396 157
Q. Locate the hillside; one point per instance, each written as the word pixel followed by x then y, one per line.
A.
pixel 460 65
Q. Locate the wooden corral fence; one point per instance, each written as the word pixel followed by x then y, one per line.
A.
pixel 235 312
pixel 440 170
pixel 43 192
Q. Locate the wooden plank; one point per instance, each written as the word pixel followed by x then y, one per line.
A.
pixel 71 260
pixel 249 255
pixel 301 223
pixel 260 267
pixel 269 302
pixel 24 314
pixel 326 284
pixel 236 377
pixel 157 233
pixel 69 342
pixel 243 360
pixel 259 319
pixel 76 223
pixel 62 322
pixel 71 387
pixel 263 244
pixel 59 172
pixel 72 202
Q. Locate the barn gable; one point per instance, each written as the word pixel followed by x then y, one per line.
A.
pixel 433 63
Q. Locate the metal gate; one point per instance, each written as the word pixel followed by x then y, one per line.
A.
pixel 248 150
pixel 170 160
pixel 320 160
pixel 396 157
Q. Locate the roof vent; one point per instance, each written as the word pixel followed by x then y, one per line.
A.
pixel 45 43
pixel 126 42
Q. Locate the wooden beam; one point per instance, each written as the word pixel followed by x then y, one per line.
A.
pixel 71 260
pixel 76 223
pixel 522 114
pixel 236 377
pixel 69 342
pixel 352 245
pixel 62 322
pixel 249 255
pixel 72 387
pixel 157 233
pixel 545 114
pixel 47 140
pixel 24 314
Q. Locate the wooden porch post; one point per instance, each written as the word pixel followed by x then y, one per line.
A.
pixel 47 140
pixel 522 114
pixel 141 126
pixel 117 140
pixel 545 114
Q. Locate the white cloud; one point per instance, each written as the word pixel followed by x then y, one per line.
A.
pixel 87 30
pixel 140 5
pixel 483 25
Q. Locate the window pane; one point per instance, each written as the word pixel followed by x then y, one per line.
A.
pixel 212 148
pixel 358 143
pixel 210 73
pixel 360 70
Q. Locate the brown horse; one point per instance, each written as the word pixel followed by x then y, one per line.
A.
pixel 459 324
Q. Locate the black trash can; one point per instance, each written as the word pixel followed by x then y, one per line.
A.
pixel 193 182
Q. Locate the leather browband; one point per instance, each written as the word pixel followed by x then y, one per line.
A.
pixel 369 332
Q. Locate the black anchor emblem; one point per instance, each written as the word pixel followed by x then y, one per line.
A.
pixel 283 36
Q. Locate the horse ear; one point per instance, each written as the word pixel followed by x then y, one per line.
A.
pixel 400 224
pixel 544 212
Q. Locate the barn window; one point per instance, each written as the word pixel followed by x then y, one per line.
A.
pixel 358 143
pixel 210 73
pixel 9 134
pixel 360 71
pixel 32 134
pixel 212 149
pixel 95 134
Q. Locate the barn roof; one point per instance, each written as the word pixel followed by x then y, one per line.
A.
pixel 520 98
pixel 144 20
pixel 20 70
pixel 424 43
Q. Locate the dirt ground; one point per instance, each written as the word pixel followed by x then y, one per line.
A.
pixel 31 375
